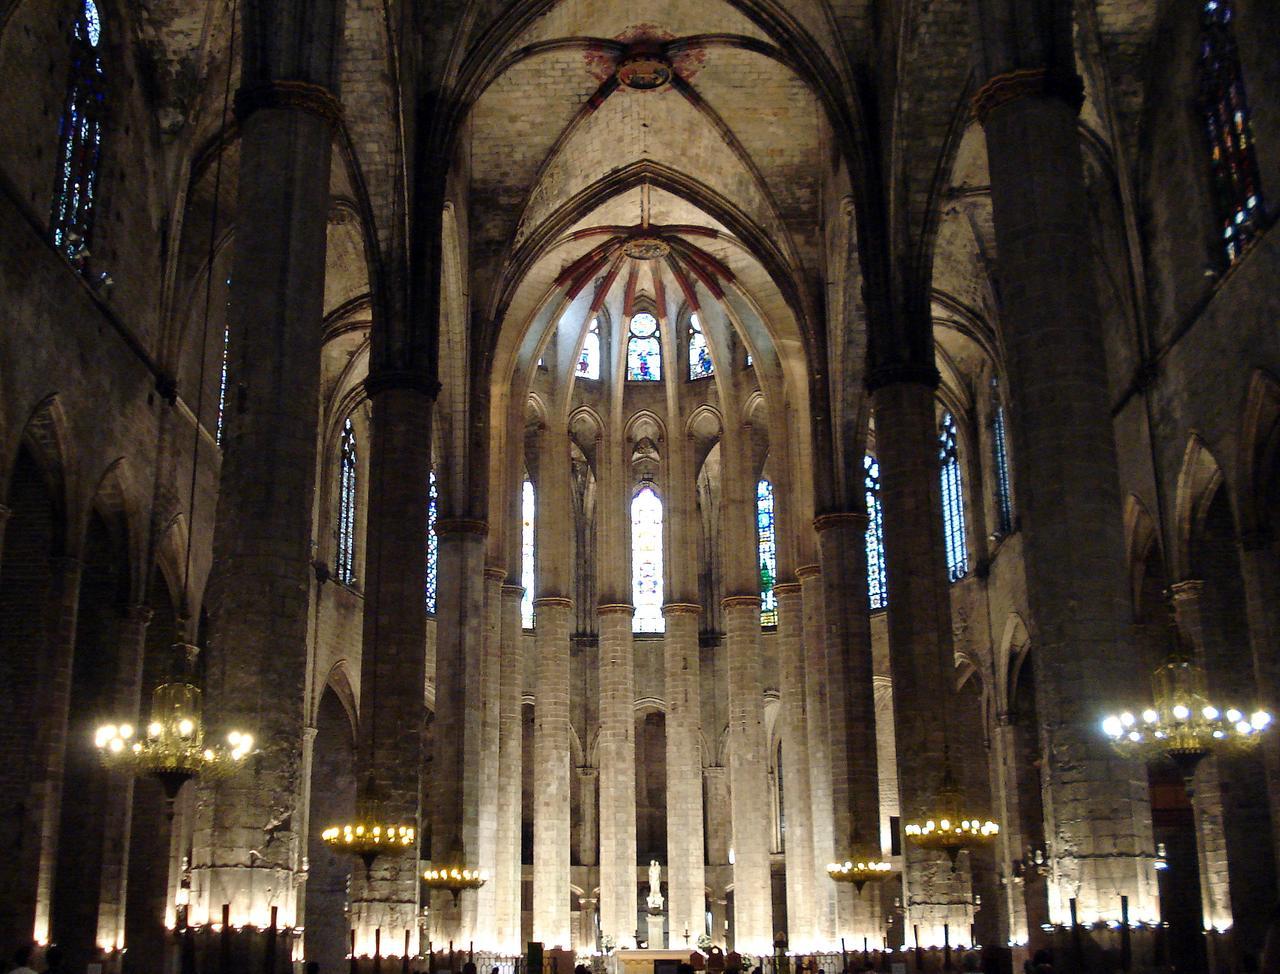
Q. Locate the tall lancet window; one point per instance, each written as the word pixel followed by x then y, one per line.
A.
pixel 646 561
pixel 699 355
pixel 644 349
pixel 952 500
pixel 346 561
pixel 528 513
pixel 80 135
pixel 877 579
pixel 433 543
pixel 768 553
pixel 222 374
pixel 1004 490
pixel 589 358
pixel 1236 184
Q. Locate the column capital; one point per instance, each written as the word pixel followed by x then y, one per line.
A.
pixel 492 574
pixel 1187 590
pixel 138 614
pixel 412 380
pixel 733 601
pixel 681 608
pixel 1008 86
pixel 298 96
pixel 553 602
pixel 786 588
pixel 514 591
pixel 894 373
pixel 461 525
pixel 808 571
pixel 838 519
pixel 613 608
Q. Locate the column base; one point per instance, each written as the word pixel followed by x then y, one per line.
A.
pixel 215 949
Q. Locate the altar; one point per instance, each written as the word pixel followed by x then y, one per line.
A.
pixel 646 961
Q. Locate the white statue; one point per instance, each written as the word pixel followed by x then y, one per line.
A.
pixel 654 900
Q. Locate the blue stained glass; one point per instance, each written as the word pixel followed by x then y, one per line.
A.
pixel 952 500
pixel 528 511
pixel 700 365
pixel 877 578
pixel 80 138
pixel 346 560
pixel 646 561
pixel 1004 490
pixel 644 349
pixel 589 358
pixel 768 549
pixel 433 543
pixel 1233 165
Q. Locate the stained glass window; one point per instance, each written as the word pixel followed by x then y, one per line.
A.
pixel 433 543
pixel 952 500
pixel 527 513
pixel 1236 184
pixel 346 566
pixel 222 376
pixel 699 355
pixel 1004 493
pixel 80 136
pixel 768 553
pixel 877 579
pixel 589 358
pixel 644 349
pixel 646 561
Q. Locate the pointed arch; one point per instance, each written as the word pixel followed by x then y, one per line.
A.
pixel 647 575
pixel 1198 481
pixel 1259 456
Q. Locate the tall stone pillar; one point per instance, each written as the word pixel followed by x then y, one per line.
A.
pixel 246 848
pixel 117 809
pixel 851 709
pixel 459 724
pixel 816 685
pixel 686 857
pixel 487 911
pixel 1260 570
pixel 617 756
pixel 1101 841
pixel 801 873
pixel 507 876
pixel 393 656
pixel 920 643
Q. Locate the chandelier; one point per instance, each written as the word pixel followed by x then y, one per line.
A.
pixel 454 879
pixel 860 869
pixel 949 826
pixel 1183 725
pixel 173 749
pixel 373 833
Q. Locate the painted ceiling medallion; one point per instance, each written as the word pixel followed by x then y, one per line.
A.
pixel 646 248
pixel 644 71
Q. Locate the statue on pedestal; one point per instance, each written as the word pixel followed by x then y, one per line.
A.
pixel 654 900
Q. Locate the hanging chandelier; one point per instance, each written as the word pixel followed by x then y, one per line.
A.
pixel 949 826
pixel 454 879
pixel 1183 725
pixel 861 868
pixel 173 749
pixel 373 832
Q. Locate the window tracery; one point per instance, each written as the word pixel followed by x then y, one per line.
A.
pixel 700 365
pixel 1004 491
pixel 80 136
pixel 346 560
pixel 1236 182
pixel 952 500
pixel 222 375
pixel 433 543
pixel 528 511
pixel 646 561
pixel 768 553
pixel 644 349
pixel 877 580
pixel 589 358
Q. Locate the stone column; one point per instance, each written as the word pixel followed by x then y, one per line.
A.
pixel 49 751
pixel 459 723
pixel 116 813
pixel 801 872
pixel 508 871
pixel 816 685
pixel 617 756
pixel 247 850
pixel 393 655
pixel 1100 840
pixel 1260 569
pixel 851 709
pixel 487 912
pixel 686 856
pixel 752 896
pixel 920 646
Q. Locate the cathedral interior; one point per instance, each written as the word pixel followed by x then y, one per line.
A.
pixel 791 477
